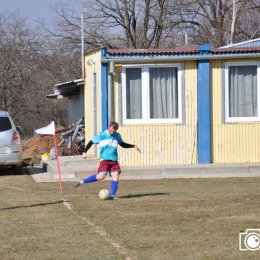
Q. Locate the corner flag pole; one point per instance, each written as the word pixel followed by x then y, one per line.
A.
pixel 50 130
pixel 58 165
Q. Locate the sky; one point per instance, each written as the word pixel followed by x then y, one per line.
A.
pixel 32 8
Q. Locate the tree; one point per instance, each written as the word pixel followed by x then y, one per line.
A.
pixel 19 59
pixel 113 23
pixel 219 22
pixel 248 24
pixel 142 22
pixel 27 74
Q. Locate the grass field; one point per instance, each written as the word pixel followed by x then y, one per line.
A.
pixel 152 219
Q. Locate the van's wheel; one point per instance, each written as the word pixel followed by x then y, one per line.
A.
pixel 17 169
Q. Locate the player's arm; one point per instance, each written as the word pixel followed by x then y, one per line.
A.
pixel 125 145
pixel 84 154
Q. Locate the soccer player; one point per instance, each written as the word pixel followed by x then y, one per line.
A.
pixel 108 141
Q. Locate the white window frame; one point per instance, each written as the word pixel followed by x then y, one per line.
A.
pixel 241 119
pixel 146 94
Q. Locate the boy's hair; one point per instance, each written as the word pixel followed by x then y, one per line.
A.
pixel 114 125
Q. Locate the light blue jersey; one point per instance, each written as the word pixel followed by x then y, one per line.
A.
pixel 108 145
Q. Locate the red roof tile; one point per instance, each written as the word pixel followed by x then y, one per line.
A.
pixel 188 48
pixel 182 49
pixel 238 49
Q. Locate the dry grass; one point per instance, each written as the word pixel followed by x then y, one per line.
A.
pixel 152 219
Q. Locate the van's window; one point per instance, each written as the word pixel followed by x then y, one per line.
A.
pixel 5 124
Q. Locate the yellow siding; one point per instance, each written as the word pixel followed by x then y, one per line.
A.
pixel 167 144
pixel 161 144
pixel 89 95
pixel 231 142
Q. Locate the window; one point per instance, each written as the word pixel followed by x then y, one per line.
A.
pixel 152 94
pixel 242 92
pixel 5 124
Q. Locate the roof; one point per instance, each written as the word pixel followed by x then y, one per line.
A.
pixel 250 43
pixel 66 89
pixel 236 50
pixel 181 49
pixel 72 82
pixel 184 49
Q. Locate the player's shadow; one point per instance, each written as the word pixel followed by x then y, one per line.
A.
pixel 32 205
pixel 143 195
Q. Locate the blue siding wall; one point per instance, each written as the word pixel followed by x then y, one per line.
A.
pixel 204 155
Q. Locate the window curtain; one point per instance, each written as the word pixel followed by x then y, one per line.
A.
pixel 163 93
pixel 243 91
pixel 133 93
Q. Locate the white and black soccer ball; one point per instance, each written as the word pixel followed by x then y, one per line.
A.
pixel 103 194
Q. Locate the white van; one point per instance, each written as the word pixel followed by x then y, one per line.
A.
pixel 10 143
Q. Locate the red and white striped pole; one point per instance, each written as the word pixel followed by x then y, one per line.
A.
pixel 58 165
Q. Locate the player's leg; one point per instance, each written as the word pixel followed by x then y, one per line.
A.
pixel 102 172
pixel 101 176
pixel 114 173
pixel 114 184
pixel 91 178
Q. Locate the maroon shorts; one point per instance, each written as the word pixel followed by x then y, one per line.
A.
pixel 108 166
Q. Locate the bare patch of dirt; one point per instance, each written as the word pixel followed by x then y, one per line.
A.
pixel 36 146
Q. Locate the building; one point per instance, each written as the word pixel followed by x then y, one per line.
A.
pixel 189 105
pixel 74 91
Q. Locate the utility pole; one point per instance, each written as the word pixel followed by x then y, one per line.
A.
pixel 234 17
pixel 82 42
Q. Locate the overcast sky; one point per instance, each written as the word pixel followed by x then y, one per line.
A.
pixel 32 8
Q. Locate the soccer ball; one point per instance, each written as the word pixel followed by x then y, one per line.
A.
pixel 103 194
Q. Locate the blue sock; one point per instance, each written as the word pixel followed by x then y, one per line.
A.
pixel 113 188
pixel 91 178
